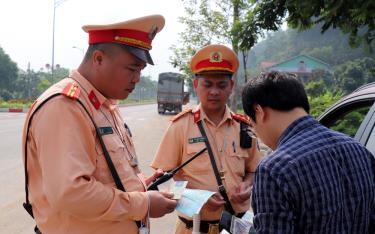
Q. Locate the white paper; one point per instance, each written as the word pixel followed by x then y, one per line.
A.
pixel 224 232
pixel 178 188
pixel 192 201
pixel 248 217
pixel 166 186
pixel 240 226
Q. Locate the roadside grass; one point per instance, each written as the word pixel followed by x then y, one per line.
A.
pixel 137 101
pixel 27 103
pixel 16 103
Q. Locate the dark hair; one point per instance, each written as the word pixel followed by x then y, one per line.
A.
pixel 108 48
pixel 277 90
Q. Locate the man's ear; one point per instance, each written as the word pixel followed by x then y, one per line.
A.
pixel 260 113
pixel 97 57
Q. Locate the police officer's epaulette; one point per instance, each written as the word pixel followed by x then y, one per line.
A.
pixel 179 115
pixel 241 118
pixel 72 91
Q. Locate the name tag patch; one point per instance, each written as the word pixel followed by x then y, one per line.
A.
pixel 196 140
pixel 105 130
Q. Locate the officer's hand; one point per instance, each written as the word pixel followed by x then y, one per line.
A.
pixel 160 203
pixel 215 202
pixel 241 194
pixel 157 173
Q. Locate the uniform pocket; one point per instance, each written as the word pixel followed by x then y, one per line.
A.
pixel 202 163
pixel 115 149
pixel 236 162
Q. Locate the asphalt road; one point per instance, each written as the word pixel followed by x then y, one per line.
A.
pixel 146 125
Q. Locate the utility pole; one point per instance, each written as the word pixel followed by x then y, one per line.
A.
pixel 55 5
pixel 28 81
pixel 53 37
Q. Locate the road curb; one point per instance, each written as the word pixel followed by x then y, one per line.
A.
pixel 14 110
pixel 135 104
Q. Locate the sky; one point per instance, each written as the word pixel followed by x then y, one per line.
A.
pixel 26 29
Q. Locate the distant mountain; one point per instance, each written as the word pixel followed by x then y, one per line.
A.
pixel 332 47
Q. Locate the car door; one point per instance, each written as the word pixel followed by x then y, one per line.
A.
pixel 354 117
pixel 366 133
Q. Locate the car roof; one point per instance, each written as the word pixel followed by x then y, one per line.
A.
pixel 362 96
pixel 365 91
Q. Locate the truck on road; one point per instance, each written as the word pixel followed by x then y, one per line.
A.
pixel 170 94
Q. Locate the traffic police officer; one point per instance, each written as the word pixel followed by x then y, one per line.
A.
pixel 236 161
pixel 81 167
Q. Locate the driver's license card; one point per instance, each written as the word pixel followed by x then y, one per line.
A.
pixel 177 188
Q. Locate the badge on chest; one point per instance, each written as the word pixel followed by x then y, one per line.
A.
pixel 105 130
pixel 196 140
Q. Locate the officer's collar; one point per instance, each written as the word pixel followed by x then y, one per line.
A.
pixel 95 97
pixel 199 114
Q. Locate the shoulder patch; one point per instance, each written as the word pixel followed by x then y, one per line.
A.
pixel 72 91
pixel 241 118
pixel 179 115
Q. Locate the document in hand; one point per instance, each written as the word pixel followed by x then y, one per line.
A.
pixel 235 225
pixel 175 187
pixel 240 226
pixel 192 201
pixel 178 188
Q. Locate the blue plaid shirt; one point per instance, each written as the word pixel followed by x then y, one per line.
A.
pixel 316 181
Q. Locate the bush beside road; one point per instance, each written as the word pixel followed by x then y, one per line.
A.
pixel 22 106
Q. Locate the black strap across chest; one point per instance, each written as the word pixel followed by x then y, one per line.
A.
pixel 223 192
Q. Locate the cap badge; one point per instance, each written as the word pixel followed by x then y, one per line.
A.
pixel 215 57
pixel 152 32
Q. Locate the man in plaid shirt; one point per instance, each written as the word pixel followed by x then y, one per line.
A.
pixel 316 180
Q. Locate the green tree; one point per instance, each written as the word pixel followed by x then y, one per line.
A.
pixel 353 74
pixel 43 85
pixel 319 90
pixel 45 78
pixel 369 66
pixel 331 47
pixel 325 53
pixel 8 75
pixel 351 122
pixel 355 18
pixel 145 89
pixel 315 88
pixel 26 85
pixel 215 21
pixel 59 73
pixel 320 103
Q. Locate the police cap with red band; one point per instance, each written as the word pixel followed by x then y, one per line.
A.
pixel 216 59
pixel 136 34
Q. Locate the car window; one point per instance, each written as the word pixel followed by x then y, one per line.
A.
pixel 350 121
